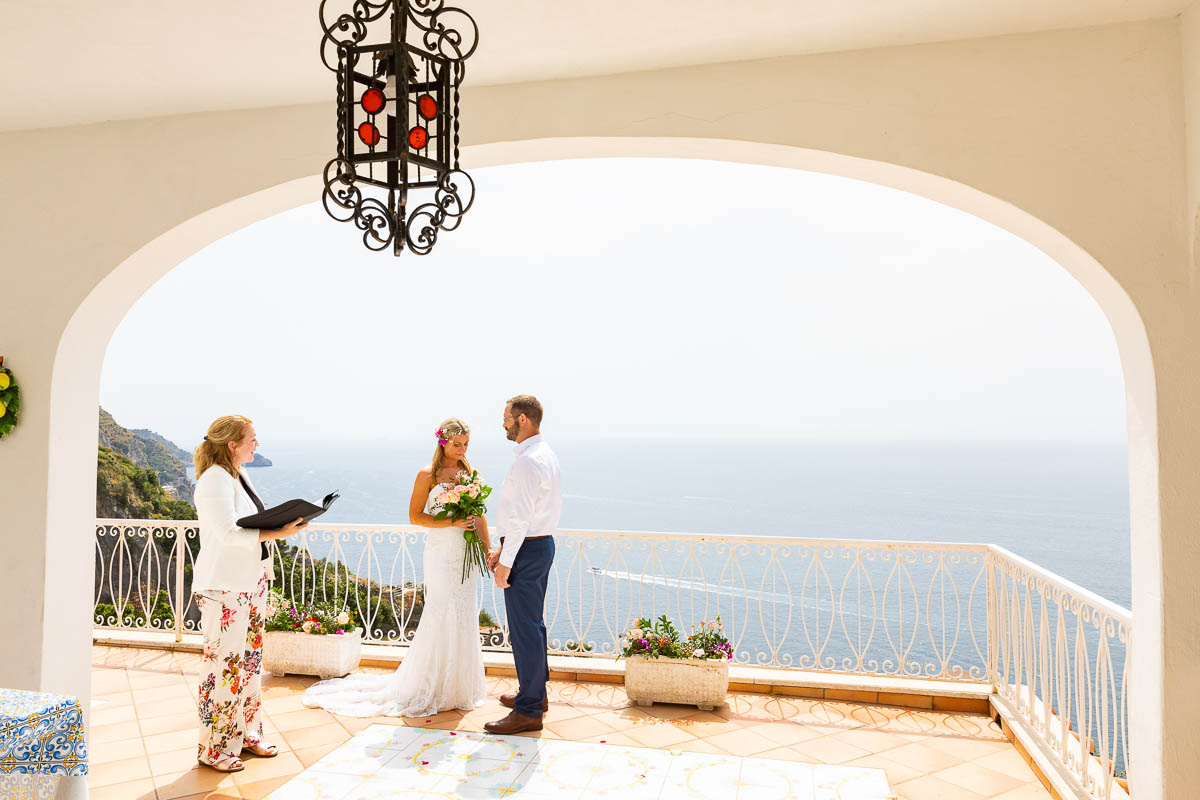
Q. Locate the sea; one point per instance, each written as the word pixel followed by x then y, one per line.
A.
pixel 1063 506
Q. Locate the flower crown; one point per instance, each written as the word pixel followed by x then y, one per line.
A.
pixel 447 432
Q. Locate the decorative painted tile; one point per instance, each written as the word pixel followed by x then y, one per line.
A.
pixel 388 763
pixel 849 783
pixel 312 785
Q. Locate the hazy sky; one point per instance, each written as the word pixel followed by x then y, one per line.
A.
pixel 636 298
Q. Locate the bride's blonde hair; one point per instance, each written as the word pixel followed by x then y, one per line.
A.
pixel 445 432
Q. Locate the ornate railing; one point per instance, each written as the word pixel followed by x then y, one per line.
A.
pixel 1054 652
pixel 1058 657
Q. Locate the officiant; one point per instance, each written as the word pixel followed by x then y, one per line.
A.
pixel 230 580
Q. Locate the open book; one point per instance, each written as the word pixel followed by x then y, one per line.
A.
pixel 282 514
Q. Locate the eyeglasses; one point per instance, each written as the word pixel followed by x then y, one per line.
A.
pixel 514 419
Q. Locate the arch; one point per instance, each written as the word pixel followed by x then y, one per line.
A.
pixel 76 372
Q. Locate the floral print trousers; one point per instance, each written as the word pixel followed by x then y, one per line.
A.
pixel 231 670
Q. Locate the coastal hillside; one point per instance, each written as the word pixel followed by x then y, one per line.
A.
pixel 148 450
pixel 125 490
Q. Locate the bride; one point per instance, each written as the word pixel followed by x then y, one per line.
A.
pixel 443 669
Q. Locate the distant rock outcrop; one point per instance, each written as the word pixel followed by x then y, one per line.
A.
pixel 259 461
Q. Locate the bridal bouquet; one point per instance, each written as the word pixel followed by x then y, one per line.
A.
pixel 465 499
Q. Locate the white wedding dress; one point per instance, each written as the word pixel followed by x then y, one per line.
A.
pixel 443 669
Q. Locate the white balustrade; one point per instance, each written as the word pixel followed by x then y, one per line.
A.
pixel 1054 651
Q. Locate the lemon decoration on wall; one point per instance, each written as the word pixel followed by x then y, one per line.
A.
pixel 10 400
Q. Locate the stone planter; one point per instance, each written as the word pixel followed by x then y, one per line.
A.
pixel 702 682
pixel 327 656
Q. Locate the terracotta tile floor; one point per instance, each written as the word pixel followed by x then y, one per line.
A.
pixel 143 734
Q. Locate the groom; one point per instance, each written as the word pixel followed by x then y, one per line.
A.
pixel 527 513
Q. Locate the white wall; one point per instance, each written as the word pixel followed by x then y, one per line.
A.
pixel 1074 139
pixel 1190 38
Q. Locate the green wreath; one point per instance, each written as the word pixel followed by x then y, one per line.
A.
pixel 10 400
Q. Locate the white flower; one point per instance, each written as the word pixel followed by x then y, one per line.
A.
pixel 343 618
pixel 698 653
pixel 270 611
pixel 636 633
pixel 307 626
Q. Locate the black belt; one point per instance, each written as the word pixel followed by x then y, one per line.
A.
pixel 528 538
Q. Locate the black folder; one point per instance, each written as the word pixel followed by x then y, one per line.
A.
pixel 282 514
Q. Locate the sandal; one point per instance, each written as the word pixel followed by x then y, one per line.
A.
pixel 228 762
pixel 260 749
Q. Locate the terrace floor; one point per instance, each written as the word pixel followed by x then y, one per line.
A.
pixel 142 739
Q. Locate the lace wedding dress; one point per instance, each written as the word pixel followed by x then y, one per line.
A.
pixel 444 665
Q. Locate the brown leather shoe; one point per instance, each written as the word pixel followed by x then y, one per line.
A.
pixel 514 723
pixel 508 701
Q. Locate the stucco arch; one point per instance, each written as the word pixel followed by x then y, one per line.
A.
pixel 77 365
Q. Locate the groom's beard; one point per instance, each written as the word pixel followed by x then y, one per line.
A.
pixel 511 433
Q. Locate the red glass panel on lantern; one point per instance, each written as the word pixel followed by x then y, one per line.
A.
pixel 372 101
pixel 369 134
pixel 427 106
pixel 417 137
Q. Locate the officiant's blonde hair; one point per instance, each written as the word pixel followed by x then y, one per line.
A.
pixel 214 450
pixel 447 431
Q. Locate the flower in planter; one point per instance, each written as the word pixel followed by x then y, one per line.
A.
pixel 660 639
pixel 319 618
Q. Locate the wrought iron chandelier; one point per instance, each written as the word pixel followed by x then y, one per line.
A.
pixel 399 66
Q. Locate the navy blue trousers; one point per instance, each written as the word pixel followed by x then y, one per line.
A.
pixel 525 603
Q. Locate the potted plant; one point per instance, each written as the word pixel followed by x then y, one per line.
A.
pixel 660 667
pixel 310 639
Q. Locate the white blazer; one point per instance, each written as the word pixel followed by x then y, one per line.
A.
pixel 230 558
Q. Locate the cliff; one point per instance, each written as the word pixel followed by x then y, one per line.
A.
pixel 126 491
pixel 171 464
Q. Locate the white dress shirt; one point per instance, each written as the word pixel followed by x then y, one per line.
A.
pixel 530 499
pixel 230 557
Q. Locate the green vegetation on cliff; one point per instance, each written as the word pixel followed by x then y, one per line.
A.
pixel 154 453
pixel 126 491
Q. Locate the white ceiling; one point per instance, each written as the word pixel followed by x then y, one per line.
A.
pixel 77 61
